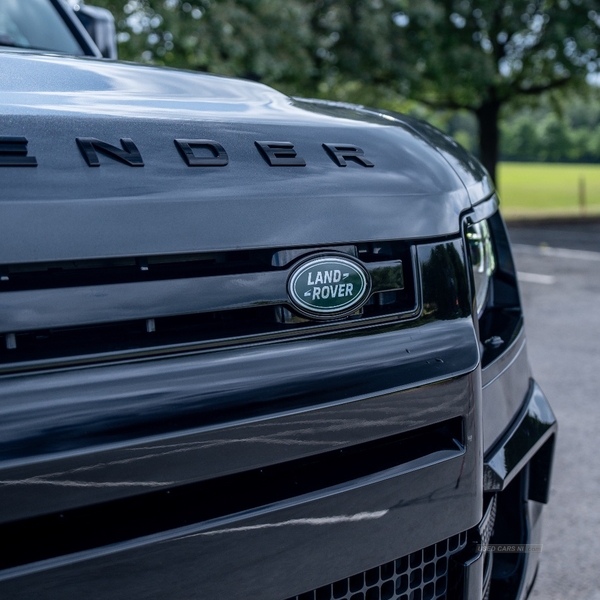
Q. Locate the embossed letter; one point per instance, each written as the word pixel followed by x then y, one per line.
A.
pixel 218 157
pixel 129 154
pixel 280 154
pixel 13 152
pixel 340 153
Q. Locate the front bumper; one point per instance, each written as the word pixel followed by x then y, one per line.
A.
pixel 422 512
pixel 517 474
pixel 339 465
pixel 429 489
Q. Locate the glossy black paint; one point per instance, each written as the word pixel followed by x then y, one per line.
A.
pixel 346 389
pixel 532 429
pixel 96 473
pixel 52 535
pixel 249 466
pixel 369 396
pixel 27 310
pixel 62 347
pixel 76 212
pixel 77 29
pixel 505 386
pixel 176 394
pixel 279 550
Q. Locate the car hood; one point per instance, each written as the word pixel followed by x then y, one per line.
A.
pixel 64 209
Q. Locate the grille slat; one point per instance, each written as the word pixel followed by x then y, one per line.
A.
pixel 73 311
pixel 423 575
pixel 89 305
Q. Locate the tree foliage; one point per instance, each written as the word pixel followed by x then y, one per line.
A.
pixel 478 55
pixel 264 40
pixel 467 53
pixel 551 129
pixel 474 55
pixel 542 133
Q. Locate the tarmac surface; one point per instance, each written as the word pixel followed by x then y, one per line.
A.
pixel 559 272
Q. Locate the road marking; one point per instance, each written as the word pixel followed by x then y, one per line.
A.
pixel 536 278
pixel 558 252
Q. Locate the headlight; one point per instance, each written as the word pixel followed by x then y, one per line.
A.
pixel 483 261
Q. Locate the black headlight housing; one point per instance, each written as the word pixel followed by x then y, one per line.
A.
pixel 495 291
pixel 483 261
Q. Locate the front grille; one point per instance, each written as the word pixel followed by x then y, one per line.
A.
pixel 79 529
pixel 423 575
pixel 74 312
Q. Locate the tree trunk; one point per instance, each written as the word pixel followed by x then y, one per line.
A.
pixel 489 135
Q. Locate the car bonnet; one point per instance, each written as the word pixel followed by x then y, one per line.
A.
pixel 406 186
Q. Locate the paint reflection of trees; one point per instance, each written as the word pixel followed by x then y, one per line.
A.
pixel 445 289
pixel 388 278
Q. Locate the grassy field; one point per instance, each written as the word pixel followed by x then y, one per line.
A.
pixel 535 189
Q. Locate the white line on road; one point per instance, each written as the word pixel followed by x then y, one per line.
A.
pixel 558 252
pixel 536 278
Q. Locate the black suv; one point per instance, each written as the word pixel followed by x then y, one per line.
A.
pixel 252 346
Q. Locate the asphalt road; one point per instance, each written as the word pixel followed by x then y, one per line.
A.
pixel 559 268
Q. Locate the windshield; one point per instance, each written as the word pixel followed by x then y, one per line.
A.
pixel 35 24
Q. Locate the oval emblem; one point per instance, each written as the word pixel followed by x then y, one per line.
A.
pixel 326 287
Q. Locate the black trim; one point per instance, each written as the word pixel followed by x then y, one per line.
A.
pixel 75 530
pixel 77 29
pixel 532 428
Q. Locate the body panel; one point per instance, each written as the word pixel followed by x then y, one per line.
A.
pixel 77 211
pixel 505 385
pixel 94 471
pixel 280 551
pixel 270 461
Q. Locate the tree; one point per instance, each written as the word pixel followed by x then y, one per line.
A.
pixel 263 40
pixel 478 55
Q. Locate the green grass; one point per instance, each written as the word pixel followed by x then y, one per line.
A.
pixel 540 189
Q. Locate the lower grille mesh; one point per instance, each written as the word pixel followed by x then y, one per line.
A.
pixel 487 523
pixel 486 530
pixel 422 575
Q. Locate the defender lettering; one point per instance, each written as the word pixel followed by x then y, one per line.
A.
pixel 13 153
